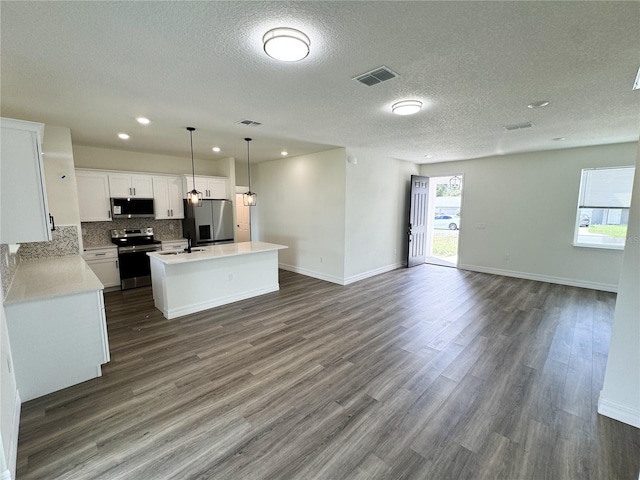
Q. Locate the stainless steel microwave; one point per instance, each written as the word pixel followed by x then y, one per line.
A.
pixel 132 208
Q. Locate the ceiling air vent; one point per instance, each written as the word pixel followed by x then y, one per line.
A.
pixel 518 126
pixel 378 75
pixel 249 123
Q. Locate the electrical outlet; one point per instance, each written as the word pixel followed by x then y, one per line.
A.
pixel 171 227
pixel 231 277
pixel 84 231
pixel 506 256
pixel 481 226
pixel 321 260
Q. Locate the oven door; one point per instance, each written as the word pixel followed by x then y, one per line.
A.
pixel 134 265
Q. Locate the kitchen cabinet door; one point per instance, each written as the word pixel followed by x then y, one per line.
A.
pixel 93 196
pixel 25 212
pixel 123 185
pixel 104 263
pixel 167 195
pixel 212 188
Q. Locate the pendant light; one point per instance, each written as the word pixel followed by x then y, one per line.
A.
pixel 194 197
pixel 250 199
pixel 455 182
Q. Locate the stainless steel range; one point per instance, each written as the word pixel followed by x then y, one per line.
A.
pixel 133 245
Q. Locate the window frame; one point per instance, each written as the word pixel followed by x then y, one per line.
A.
pixel 580 208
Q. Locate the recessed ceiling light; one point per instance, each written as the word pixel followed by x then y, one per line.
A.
pixel 540 104
pixel 286 44
pixel 284 153
pixel 406 107
pixel 143 120
pixel 216 149
pixel 559 139
pixel 123 136
pixel 428 156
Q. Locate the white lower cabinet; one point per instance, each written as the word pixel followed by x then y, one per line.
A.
pixel 104 263
pixel 57 342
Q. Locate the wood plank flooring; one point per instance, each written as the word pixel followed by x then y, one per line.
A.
pixel 425 373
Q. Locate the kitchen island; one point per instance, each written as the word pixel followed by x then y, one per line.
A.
pixel 211 276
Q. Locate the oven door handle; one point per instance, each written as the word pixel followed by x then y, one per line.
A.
pixel 138 249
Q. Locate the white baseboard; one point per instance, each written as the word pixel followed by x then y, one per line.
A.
pixel 311 273
pixel 338 280
pixel 198 307
pixel 372 273
pixel 541 278
pixel 619 411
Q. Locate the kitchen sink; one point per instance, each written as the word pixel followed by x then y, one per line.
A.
pixel 180 252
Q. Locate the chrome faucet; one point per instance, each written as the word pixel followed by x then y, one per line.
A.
pixel 188 249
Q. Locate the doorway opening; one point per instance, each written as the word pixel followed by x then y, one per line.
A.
pixel 444 220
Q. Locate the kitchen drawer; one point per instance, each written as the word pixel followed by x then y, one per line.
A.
pixel 99 254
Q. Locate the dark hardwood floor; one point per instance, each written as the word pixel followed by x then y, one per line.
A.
pixel 426 373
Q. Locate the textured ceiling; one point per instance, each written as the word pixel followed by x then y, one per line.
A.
pixel 94 66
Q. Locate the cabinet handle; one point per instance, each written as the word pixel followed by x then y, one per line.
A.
pixel 134 192
pixel 52 222
pixel 109 213
pixel 116 263
pixel 99 254
pixel 168 212
pixel 172 213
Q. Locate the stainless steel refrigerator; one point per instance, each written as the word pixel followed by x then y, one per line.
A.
pixel 211 223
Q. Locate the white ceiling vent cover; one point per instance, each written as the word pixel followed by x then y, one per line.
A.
pixel 249 123
pixel 378 75
pixel 518 126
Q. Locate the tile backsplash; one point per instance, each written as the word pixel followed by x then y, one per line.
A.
pixel 64 242
pixel 8 263
pixel 99 233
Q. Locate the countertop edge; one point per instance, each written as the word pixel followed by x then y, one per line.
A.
pixel 208 255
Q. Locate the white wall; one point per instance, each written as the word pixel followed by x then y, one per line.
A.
pixel 301 204
pixel 111 159
pixel 620 396
pixel 60 176
pixel 377 193
pixel 528 203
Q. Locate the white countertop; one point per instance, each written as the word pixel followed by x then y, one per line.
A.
pixel 51 277
pixel 216 251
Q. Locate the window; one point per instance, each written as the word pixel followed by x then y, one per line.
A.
pixel 603 207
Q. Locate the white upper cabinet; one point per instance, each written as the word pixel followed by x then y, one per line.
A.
pixel 130 185
pixel 167 195
pixel 211 187
pixel 93 196
pixel 23 195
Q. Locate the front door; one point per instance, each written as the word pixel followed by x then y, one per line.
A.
pixel 417 224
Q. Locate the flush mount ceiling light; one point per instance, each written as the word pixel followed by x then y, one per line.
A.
pixel 194 197
pixel 284 153
pixel 250 199
pixel 540 104
pixel 123 136
pixel 406 107
pixel 216 149
pixel 143 120
pixel 286 44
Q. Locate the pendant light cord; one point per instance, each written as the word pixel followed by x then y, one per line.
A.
pixel 248 165
pixel 193 168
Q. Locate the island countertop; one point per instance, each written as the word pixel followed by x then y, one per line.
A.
pixel 214 251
